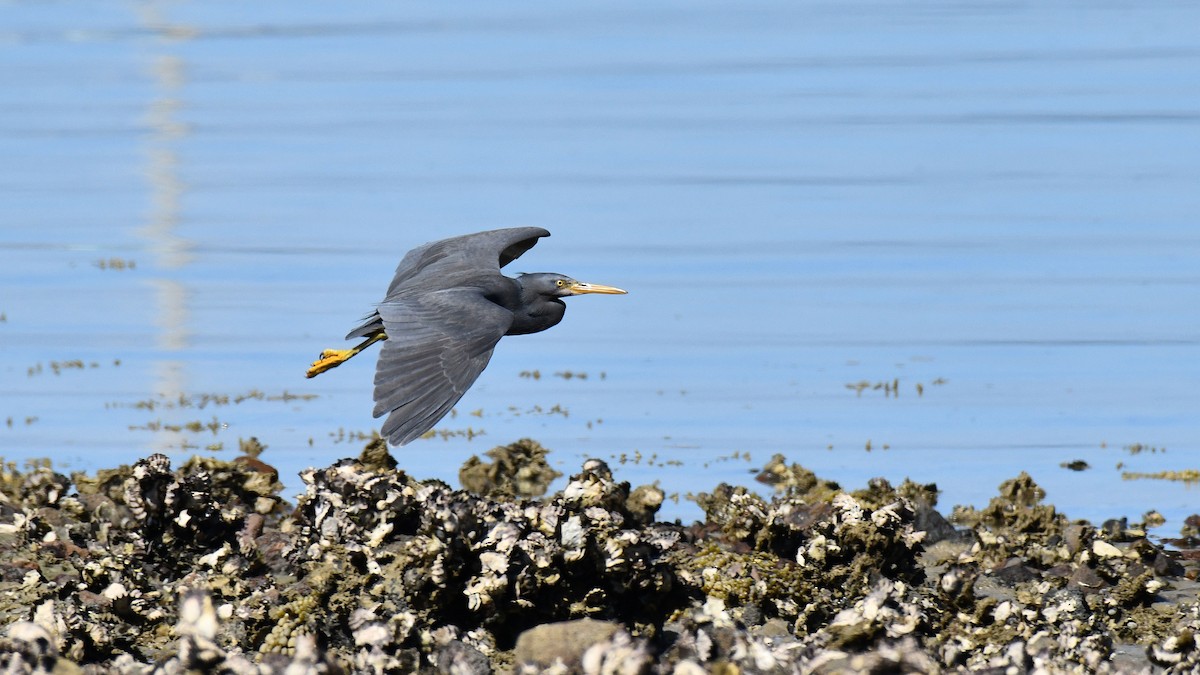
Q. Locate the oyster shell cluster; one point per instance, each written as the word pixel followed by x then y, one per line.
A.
pixel 204 568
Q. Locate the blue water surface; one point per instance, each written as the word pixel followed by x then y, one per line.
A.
pixel 993 203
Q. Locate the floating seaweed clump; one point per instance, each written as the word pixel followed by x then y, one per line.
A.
pixel 204 568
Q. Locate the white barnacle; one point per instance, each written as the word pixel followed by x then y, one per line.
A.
pixel 887 515
pixel 480 590
pixel 197 617
pixel 493 562
pixel 114 591
pixel 502 537
pixel 379 533
pixel 764 660
pixel 213 558
pixel 548 517
pixel 614 550
pixel 573 533
pixel 600 516
pixel 437 569
pixel 371 634
pixel 849 508
pixel 816 550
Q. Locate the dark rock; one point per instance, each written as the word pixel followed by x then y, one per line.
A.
pixel 1065 603
pixel 1077 537
pixel 459 658
pixel 1014 571
pixel 936 527
pixel 1085 579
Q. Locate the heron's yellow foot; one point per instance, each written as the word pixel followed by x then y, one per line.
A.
pixel 330 358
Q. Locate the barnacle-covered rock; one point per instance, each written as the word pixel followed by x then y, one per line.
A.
pixel 803 561
pixel 713 637
pixel 886 611
pixel 795 479
pixel 150 568
pixel 1179 650
pixel 517 470
pixel 28 648
pixel 41 486
pixel 903 656
pixel 454 558
pixel 1017 523
pixel 99 565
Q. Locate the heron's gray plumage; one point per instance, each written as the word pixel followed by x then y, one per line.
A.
pixel 458 260
pixel 454 262
pixel 438 344
pixel 441 326
pixel 445 310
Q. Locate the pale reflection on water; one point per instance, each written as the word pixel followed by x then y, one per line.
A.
pixel 992 207
pixel 164 131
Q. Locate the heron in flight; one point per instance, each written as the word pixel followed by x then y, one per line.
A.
pixel 447 307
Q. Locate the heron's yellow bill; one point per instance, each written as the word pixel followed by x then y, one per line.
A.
pixel 580 287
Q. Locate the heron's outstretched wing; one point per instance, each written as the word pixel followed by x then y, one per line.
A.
pixel 438 344
pixel 451 262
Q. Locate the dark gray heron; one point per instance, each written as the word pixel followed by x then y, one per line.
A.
pixel 447 307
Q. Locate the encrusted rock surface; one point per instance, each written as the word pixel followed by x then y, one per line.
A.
pixel 517 470
pixel 204 568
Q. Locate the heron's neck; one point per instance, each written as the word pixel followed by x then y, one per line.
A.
pixel 535 312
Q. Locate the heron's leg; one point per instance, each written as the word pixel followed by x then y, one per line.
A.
pixel 332 358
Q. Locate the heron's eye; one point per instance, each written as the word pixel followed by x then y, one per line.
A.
pixel 560 283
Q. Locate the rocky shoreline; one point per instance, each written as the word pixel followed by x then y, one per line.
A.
pixel 205 568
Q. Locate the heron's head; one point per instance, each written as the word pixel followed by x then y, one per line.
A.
pixel 549 284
